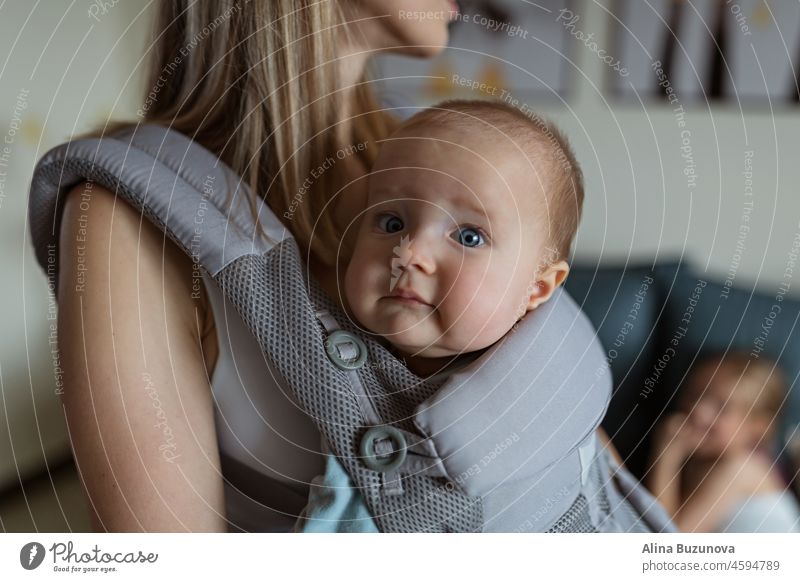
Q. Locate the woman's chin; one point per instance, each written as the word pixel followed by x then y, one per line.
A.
pixel 426 52
pixel 423 46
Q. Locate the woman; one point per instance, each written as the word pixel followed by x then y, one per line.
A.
pixel 276 84
pixel 210 435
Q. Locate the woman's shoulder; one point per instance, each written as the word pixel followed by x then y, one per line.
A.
pixel 107 248
pixel 102 228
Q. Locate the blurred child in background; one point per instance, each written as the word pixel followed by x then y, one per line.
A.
pixel 713 466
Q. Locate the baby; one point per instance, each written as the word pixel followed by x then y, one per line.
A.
pixel 472 209
pixel 471 212
pixel 713 469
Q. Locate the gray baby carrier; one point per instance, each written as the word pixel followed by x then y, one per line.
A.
pixel 507 443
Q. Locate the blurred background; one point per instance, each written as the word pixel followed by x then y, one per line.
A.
pixel 684 116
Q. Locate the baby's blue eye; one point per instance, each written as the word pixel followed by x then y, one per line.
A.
pixel 469 237
pixel 390 223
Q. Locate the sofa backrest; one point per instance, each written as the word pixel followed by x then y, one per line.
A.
pixel 653 321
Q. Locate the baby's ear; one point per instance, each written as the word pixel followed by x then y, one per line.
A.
pixel 548 282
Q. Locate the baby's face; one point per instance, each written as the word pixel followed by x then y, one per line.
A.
pixel 449 243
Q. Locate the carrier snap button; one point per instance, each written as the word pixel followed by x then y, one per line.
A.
pixel 346 350
pixel 368 453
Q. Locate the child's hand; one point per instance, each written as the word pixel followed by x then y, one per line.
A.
pixel 677 437
pixel 674 440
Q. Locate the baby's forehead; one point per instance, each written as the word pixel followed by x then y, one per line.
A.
pixel 475 166
pixel 432 163
pixel 461 151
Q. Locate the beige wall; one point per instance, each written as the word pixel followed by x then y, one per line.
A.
pixel 638 204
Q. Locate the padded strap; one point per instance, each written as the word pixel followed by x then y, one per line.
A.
pixel 528 402
pixel 215 228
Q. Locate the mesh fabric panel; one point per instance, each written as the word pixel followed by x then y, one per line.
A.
pixel 576 519
pixel 271 295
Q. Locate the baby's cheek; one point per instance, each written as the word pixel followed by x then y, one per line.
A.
pixel 353 284
pixel 482 318
pixel 480 298
pixel 363 281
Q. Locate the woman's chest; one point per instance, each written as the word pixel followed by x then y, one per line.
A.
pixel 258 420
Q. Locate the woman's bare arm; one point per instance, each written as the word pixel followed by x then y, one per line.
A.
pixel 136 393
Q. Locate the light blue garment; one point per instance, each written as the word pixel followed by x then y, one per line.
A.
pixel 334 505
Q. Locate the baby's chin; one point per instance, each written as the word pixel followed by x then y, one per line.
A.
pixel 419 332
pixel 422 342
pixel 409 337
pixel 408 333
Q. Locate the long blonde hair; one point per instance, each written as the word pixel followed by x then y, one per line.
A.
pixel 255 83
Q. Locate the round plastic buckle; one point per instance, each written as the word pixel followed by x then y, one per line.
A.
pixel 339 344
pixel 367 448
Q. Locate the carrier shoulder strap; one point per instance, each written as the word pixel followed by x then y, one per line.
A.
pixel 194 197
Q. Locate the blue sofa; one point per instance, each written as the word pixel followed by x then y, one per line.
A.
pixel 654 319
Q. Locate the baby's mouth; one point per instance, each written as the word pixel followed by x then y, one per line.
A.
pixel 407 297
pixel 408 301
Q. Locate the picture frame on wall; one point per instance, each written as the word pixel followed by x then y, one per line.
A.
pixel 745 52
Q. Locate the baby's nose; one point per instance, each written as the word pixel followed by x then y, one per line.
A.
pixel 418 254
